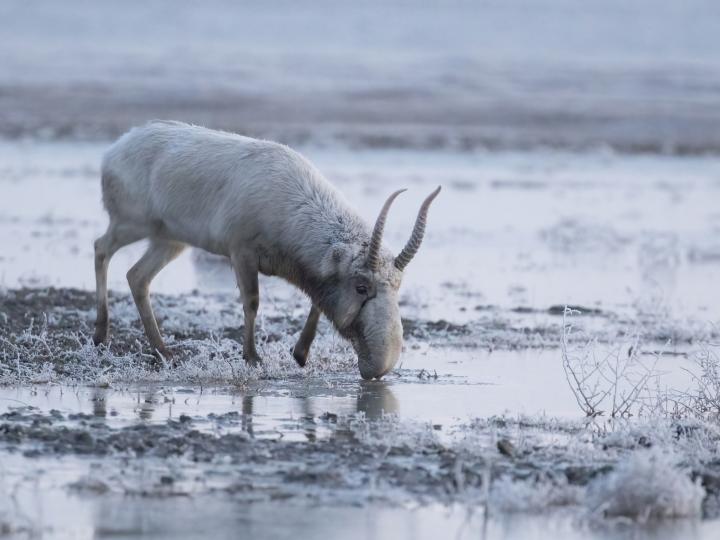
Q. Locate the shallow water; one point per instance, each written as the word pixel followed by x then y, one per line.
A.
pixel 445 387
pixel 83 517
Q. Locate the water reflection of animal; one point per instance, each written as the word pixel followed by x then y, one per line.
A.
pixel 269 210
pixel 375 398
pixel 99 402
pixel 247 415
pixel 146 405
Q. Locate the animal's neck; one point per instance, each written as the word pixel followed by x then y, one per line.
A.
pixel 305 276
pixel 321 290
pixel 316 235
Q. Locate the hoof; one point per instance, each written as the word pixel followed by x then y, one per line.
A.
pixel 253 360
pixel 101 336
pixel 165 356
pixel 300 357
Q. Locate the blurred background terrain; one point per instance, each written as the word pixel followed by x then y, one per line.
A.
pixel 634 76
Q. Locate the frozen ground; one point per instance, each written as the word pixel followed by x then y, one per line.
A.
pixel 630 240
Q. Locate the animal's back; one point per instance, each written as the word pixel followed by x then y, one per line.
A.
pixel 198 183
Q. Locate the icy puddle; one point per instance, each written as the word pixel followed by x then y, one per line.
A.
pixel 81 516
pixel 439 387
pixel 442 387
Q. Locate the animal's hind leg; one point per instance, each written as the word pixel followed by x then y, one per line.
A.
pixel 157 256
pixel 302 348
pixel 115 237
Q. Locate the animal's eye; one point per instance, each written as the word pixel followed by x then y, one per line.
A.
pixel 361 289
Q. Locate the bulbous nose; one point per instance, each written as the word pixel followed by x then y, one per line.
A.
pixel 376 357
pixel 377 369
pixel 372 373
pixel 367 373
pixel 378 336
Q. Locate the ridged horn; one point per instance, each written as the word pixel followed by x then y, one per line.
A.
pixel 412 246
pixel 376 239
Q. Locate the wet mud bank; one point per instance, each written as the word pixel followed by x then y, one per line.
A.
pixel 358 461
pixel 45 333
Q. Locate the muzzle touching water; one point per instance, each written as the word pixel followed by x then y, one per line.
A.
pixel 377 337
pixel 377 331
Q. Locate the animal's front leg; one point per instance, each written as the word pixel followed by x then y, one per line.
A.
pixel 246 273
pixel 302 348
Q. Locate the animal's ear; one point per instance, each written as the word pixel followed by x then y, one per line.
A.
pixel 337 258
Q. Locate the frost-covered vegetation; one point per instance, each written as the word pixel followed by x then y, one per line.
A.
pixel 46 337
pixel 676 431
pixel 622 379
pixel 54 345
pixel 649 484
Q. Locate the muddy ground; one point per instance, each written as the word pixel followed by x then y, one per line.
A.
pixel 359 459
